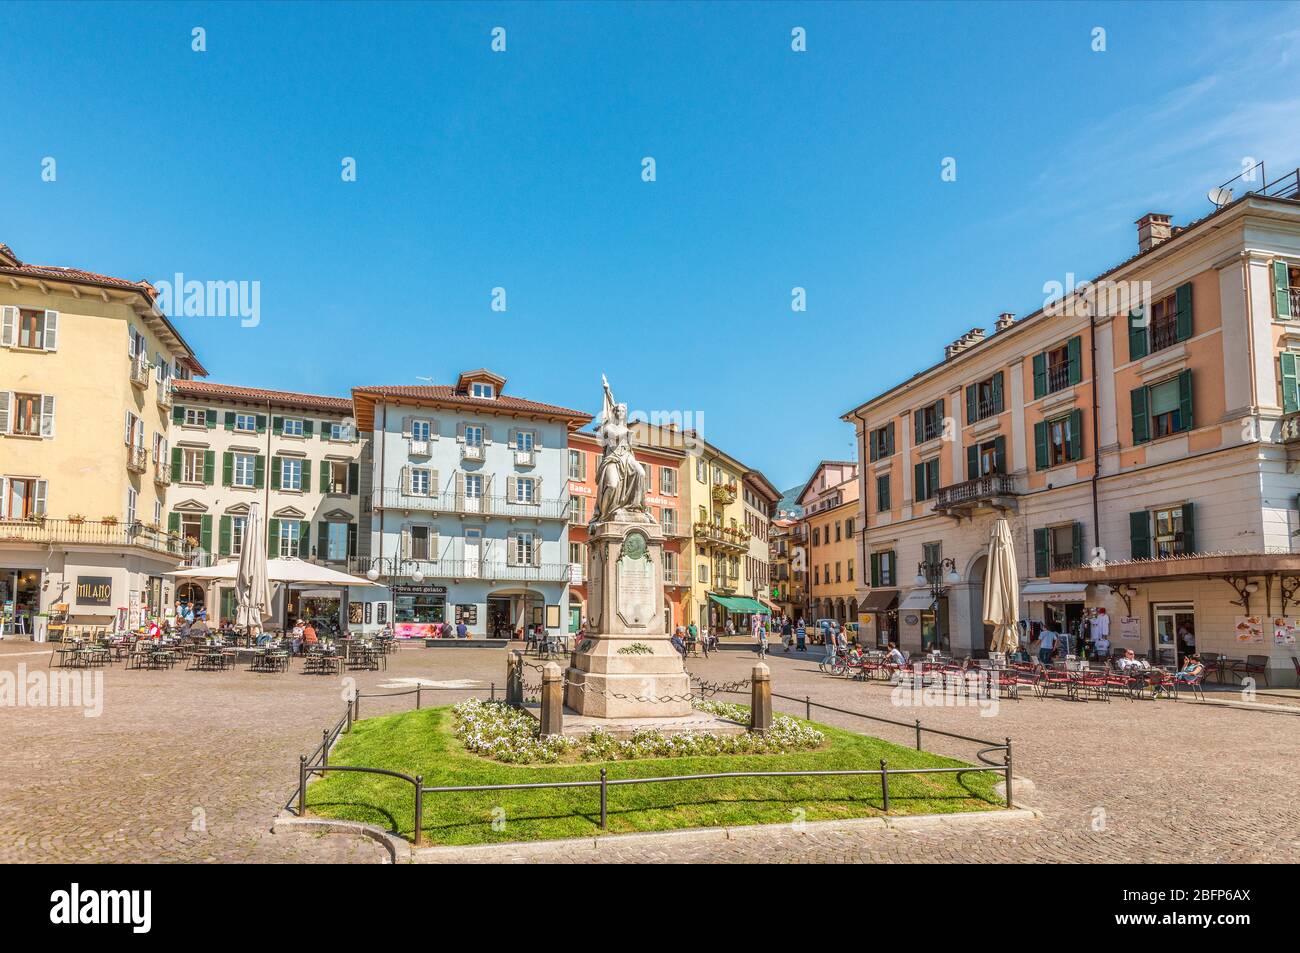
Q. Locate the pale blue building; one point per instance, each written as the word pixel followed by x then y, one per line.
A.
pixel 468 506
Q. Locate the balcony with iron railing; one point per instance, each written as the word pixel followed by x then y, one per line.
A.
pixel 393 498
pixel 722 536
pixel 1164 333
pixel 44 531
pixel 524 458
pixel 472 452
pixel 677 578
pixel 140 371
pixel 724 492
pixel 1064 561
pixel 137 459
pixel 1058 377
pixel 164 395
pixel 162 473
pixel 991 491
pixel 492 569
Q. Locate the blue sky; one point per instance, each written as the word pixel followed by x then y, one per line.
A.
pixel 522 170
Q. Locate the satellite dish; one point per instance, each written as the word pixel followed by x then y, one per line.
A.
pixel 1220 196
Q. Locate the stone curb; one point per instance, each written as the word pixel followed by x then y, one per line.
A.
pixel 399 850
pixel 432 854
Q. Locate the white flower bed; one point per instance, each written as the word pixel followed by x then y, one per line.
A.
pixel 502 733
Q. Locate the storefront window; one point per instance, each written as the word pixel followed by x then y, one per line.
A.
pixel 420 607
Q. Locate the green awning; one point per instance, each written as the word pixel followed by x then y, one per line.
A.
pixel 740 604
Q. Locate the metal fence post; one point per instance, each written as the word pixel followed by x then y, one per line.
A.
pixel 918 734
pixel 603 800
pixel 884 785
pixel 302 784
pixel 419 807
pixel 417 696
pixel 325 746
pixel 349 727
pixel 1010 800
pixel 807 707
pixel 493 696
pixel 356 707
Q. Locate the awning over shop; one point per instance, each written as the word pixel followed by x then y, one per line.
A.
pixel 879 600
pixel 921 599
pixel 1053 591
pixel 739 604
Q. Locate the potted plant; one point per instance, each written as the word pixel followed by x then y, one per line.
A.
pixel 109 521
pixel 76 518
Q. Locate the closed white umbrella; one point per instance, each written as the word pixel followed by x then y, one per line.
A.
pixel 1002 590
pixel 252 587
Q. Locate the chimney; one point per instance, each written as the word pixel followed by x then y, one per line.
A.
pixel 1005 320
pixel 969 339
pixel 1153 228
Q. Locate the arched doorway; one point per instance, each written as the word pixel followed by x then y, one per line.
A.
pixel 191 593
pixel 980 635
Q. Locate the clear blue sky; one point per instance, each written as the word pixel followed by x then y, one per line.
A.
pixel 522 170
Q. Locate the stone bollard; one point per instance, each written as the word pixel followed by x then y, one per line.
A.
pixel 515 679
pixel 760 698
pixel 552 700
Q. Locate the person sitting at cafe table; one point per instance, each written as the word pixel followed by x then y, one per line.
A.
pixel 1192 670
pixel 309 634
pixel 1131 663
pixel 295 637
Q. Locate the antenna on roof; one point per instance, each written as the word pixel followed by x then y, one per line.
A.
pixel 1220 196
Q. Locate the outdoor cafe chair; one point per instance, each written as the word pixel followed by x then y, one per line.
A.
pixel 1253 665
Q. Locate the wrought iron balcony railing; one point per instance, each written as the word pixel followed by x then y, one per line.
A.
pixel 981 489
pixel 392 498
pixel 92 533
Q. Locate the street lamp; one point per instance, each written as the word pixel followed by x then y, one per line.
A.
pixel 934 575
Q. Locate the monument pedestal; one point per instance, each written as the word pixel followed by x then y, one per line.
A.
pixel 627 669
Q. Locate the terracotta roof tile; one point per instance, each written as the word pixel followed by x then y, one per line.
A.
pixel 446 394
pixel 213 391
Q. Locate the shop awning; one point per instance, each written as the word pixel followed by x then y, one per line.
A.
pixel 1053 591
pixel 739 604
pixel 879 600
pixel 921 599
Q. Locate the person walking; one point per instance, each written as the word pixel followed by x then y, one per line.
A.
pixel 760 636
pixel 1046 643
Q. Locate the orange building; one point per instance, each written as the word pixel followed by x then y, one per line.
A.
pixel 663 497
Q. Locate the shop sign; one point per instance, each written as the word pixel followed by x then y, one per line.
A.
pixel 1249 629
pixel 419 590
pixel 1130 629
pixel 467 613
pixel 95 590
pixel 1284 631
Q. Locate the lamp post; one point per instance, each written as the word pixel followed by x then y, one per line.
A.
pixel 937 576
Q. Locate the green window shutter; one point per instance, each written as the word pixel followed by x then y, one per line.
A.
pixel 1076 435
pixel 178 414
pixel 919 478
pixel 889 492
pixel 275 473
pixel 997 393
pixel 209 467
pixel 1189 529
pixel 174 523
pixel 1040 374
pixel 938 413
pixel 1000 454
pixel 230 420
pixel 306 476
pixel 917 417
pixel 972 461
pixel 205 533
pixel 273 538
pixel 872 451
pixel 176 466
pixel 1290 395
pixel 259 471
pixel 352 539
pixel 1183 312
pixel 1185 417
pixel 325 477
pixel 1141 422
pixel 307 428
pixel 354 477
pixel 277 425
pixel 322 540
pixel 223 537
pixel 1076 543
pixel 1139 535
pixel 227 468
pixel 1137 335
pixel 889 439
pixel 325 431
pixel 210 418
pixel 1040 552
pixel 1282 291
pixel 261 423
pixel 1040 445
pixel 1074 354
pixel 971 409
pixel 875 569
pixel 304 540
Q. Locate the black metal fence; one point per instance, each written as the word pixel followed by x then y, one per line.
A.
pixel 318 761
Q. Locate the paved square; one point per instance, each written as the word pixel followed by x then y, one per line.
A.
pixel 192 766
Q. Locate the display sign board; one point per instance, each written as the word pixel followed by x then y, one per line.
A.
pixel 95 590
pixel 419 590
pixel 1130 629
pixel 467 613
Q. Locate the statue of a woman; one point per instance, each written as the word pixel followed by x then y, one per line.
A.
pixel 620 478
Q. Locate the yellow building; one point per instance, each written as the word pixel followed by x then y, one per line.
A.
pixel 729 507
pixel 86 365
pixel 830 509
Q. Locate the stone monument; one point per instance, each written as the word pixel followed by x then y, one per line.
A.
pixel 625 668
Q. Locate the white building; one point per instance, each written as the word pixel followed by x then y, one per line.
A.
pixel 468 504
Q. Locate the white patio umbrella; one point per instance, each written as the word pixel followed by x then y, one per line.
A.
pixel 252 587
pixel 278 570
pixel 1002 590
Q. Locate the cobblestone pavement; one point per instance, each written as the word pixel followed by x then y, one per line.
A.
pixel 192 766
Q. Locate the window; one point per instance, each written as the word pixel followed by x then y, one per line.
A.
pixel 336 477
pixel 421 480
pixel 883 503
pixel 343 431
pixel 932 557
pixel 1058 367
pixel 195 417
pixel 524 543
pixel 838 528
pixel 33 415
pixel 1058 441
pixel 882 568
pixel 419 542
pixel 817 576
pixel 577 465
pixel 1286 291
pixel 1058 547
pixel 668 521
pixel 578 510
pixel 817 536
pixel 881 441
pixel 191 465
pixel 246 423
pixel 24 498
pixel 524 440
pixel 848 528
pixel 237 526
pixel 702 573
pixel 132 497
pixel 30 328
pixel 1164 323
pixel 700 471
pixel 837 572
pixel 668 481
pixel 336 542
pixel 291 427
pixel 290 473
pixel 485 391
pixel 985 458
pixel 704 515
pixel 290 533
pixel 928 422
pixel 927 479
pixel 525 490
pixel 243 470
pixel 670 566
pixel 984 399
pixel 1162 409
pixel 157 512
pixel 1169 321
pixel 576 554
pixel 473 435
pixel 1170 537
